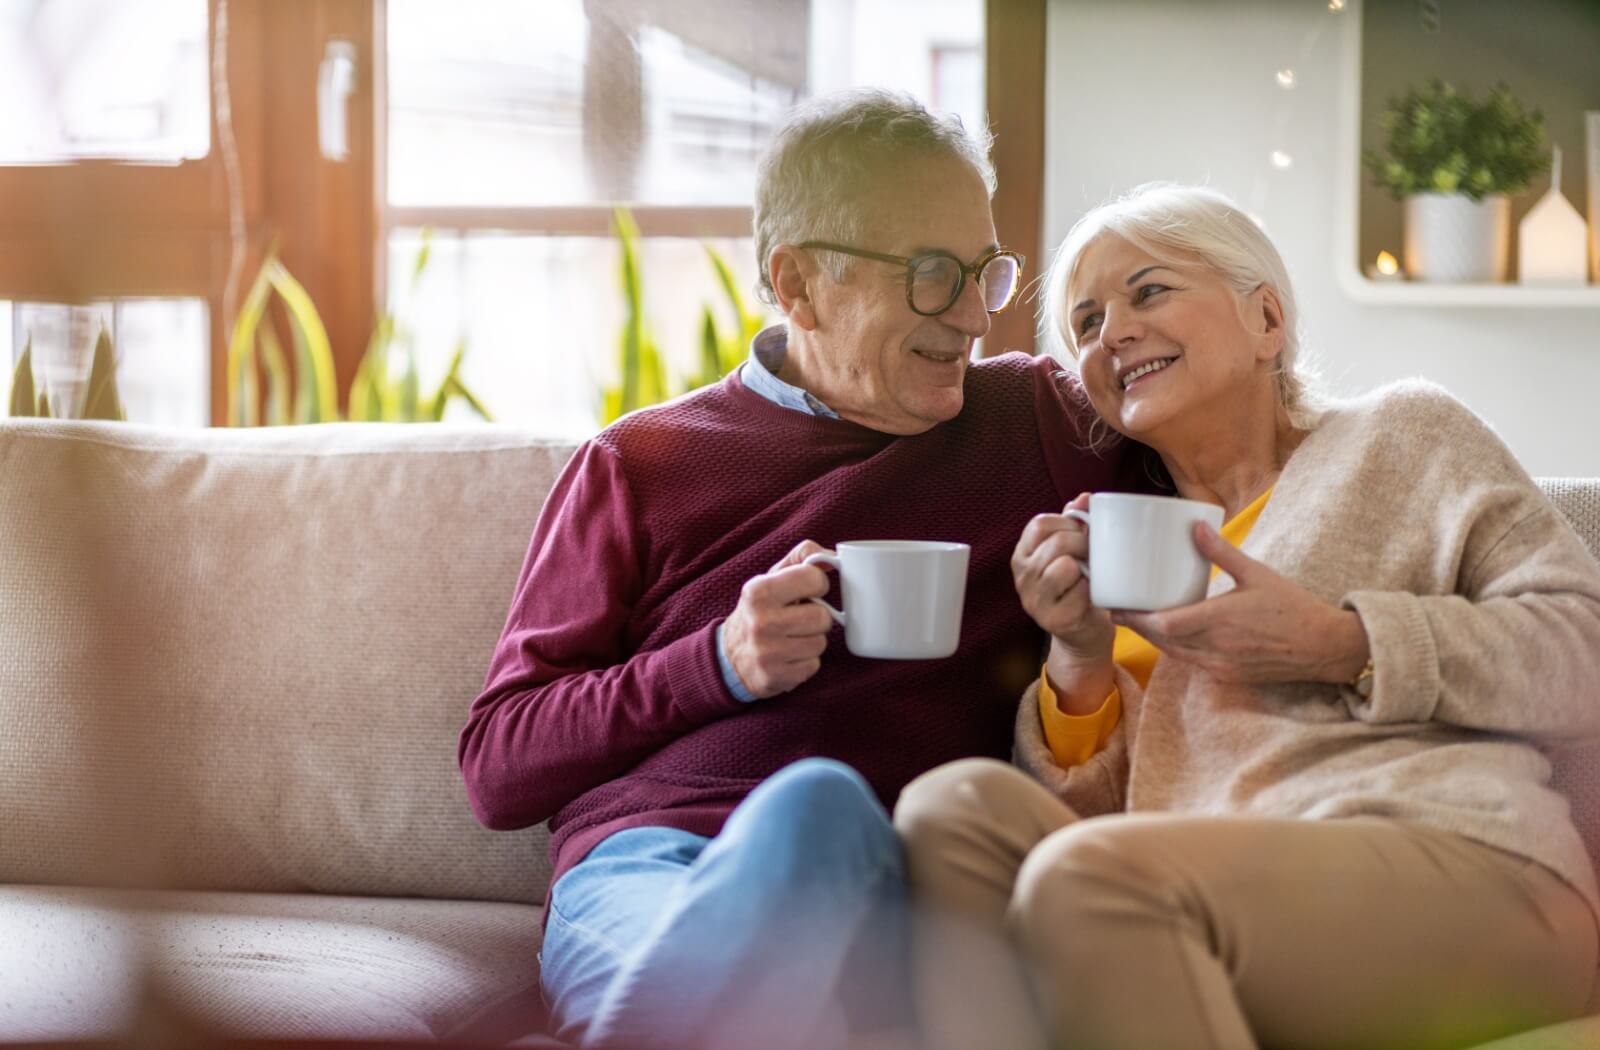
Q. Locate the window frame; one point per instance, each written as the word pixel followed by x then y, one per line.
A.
pixel 1014 85
pixel 87 230
pixel 90 230
pixel 94 230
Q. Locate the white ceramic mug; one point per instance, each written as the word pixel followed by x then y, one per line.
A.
pixel 1141 550
pixel 902 598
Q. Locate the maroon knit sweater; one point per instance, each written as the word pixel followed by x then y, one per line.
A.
pixel 604 706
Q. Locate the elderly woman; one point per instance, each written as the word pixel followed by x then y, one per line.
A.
pixel 1310 810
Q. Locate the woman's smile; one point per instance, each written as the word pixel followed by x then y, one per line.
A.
pixel 1143 372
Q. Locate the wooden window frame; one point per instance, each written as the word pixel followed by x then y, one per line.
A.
pixel 1014 46
pixel 1014 84
pixel 74 233
pixel 92 230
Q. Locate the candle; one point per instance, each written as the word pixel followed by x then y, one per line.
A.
pixel 1551 242
pixel 1385 268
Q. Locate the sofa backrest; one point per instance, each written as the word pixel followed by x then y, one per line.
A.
pixel 1577 768
pixel 239 659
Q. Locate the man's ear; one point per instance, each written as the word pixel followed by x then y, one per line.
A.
pixel 794 273
pixel 1266 318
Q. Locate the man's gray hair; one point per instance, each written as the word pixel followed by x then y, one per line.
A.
pixel 813 182
pixel 1175 224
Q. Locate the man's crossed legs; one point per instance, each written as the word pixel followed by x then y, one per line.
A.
pixel 782 931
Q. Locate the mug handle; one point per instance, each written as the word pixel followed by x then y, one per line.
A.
pixel 1083 516
pixel 831 560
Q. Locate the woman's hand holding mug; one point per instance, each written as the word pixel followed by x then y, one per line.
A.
pixel 1047 567
pixel 1267 629
pixel 1151 565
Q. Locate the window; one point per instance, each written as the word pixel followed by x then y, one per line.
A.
pixel 99 78
pixel 107 124
pixel 145 173
pixel 161 348
pixel 511 132
pixel 141 182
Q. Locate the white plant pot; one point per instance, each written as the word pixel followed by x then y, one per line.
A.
pixel 1452 238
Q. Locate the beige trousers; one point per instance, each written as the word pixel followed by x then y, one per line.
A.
pixel 1159 932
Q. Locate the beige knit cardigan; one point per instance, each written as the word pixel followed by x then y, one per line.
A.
pixel 1483 611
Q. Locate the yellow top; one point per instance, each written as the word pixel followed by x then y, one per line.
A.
pixel 1074 739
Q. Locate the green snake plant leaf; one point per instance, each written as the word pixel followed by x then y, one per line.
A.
pixel 610 405
pixel 23 401
pixel 280 384
pixel 370 393
pixel 710 351
pixel 247 394
pixel 316 396
pixel 643 378
pixel 441 398
pixel 734 349
pixel 409 388
pixel 242 405
pixel 652 375
pixel 366 403
pixel 633 336
pixel 43 411
pixel 473 402
pixel 424 252
pixel 102 401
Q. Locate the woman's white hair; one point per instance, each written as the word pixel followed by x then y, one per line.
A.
pixel 1177 225
pixel 812 183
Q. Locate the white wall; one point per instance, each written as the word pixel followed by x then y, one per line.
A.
pixel 1185 90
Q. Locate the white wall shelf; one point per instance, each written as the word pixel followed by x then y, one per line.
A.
pixel 1351 277
pixel 1421 293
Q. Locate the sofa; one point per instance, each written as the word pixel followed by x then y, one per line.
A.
pixel 233 664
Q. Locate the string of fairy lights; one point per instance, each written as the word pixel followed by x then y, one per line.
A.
pixel 1287 79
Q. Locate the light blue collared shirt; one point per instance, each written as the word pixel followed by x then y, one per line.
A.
pixel 760 374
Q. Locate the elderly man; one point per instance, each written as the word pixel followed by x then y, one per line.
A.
pixel 715 766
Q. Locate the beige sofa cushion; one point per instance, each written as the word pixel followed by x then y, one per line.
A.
pixel 239 659
pixel 74 962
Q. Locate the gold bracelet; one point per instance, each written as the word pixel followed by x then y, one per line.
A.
pixel 1361 684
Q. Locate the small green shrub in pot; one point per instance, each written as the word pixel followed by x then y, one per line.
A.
pixel 1455 161
pixel 1441 141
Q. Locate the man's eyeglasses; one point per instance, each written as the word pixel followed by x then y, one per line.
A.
pixel 934 280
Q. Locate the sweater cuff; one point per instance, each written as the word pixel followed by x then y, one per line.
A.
pixel 1405 663
pixel 694 677
pixel 1074 739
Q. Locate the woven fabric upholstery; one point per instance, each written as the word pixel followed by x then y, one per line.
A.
pixel 239 659
pixel 265 965
pixel 1577 772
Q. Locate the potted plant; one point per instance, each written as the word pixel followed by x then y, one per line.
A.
pixel 100 402
pixel 643 376
pixel 1454 162
pixel 308 393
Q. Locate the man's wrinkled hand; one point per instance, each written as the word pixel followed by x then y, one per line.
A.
pixel 775 637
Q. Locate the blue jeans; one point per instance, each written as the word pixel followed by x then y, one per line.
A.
pixel 661 938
